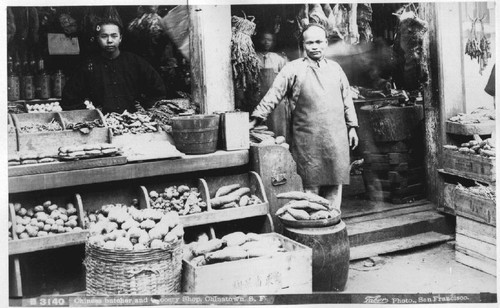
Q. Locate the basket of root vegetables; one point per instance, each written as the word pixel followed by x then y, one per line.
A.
pixel 307 210
pixel 132 251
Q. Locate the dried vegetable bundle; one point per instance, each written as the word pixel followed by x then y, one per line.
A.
pixel 243 56
pixel 478 46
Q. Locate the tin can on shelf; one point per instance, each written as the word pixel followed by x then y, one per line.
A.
pixel 27 87
pixel 13 88
pixel 58 81
pixel 42 86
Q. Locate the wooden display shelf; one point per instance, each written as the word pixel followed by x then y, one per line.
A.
pixel 210 216
pixel 47 242
pixel 189 163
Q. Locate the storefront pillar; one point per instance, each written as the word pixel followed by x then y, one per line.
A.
pixel 210 50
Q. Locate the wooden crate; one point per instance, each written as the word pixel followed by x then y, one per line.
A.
pixel 234 131
pixel 475 207
pixel 483 128
pixel 287 272
pixel 475 260
pixel 476 230
pixel 470 166
pixel 49 141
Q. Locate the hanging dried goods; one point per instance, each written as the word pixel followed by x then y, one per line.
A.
pixel 244 59
pixel 478 45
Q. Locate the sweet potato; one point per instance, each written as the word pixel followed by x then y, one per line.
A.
pixel 206 247
pixel 234 239
pixel 225 190
pixel 320 215
pixel 299 195
pixel 227 254
pixel 298 214
pixel 217 202
pixel 287 216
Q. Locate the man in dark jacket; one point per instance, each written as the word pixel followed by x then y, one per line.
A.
pixel 113 80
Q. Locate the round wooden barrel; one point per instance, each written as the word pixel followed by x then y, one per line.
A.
pixel 330 247
pixel 196 134
pixel 389 123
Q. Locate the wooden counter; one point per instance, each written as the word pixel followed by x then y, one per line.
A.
pixel 189 163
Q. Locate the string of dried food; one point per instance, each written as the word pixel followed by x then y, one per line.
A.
pixel 478 45
pixel 245 62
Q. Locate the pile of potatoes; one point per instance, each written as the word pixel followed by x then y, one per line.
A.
pixel 45 219
pixel 233 246
pixel 121 227
pixel 181 199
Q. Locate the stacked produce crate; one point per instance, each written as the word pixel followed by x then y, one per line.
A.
pixel 391 141
pixel 469 169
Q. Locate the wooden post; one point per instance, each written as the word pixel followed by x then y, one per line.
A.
pixel 210 52
pixel 433 109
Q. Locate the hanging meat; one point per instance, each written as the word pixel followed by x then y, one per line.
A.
pixel 147 34
pixel 353 36
pixel 364 19
pixel 243 56
pixel 408 46
pixel 340 20
pixel 317 15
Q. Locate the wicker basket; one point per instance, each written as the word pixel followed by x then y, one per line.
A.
pixel 152 271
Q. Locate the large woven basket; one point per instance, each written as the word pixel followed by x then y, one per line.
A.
pixel 152 271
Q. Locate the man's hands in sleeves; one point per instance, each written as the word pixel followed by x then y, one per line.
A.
pixel 353 138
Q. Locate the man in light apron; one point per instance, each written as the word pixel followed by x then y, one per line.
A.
pixel 270 64
pixel 323 116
